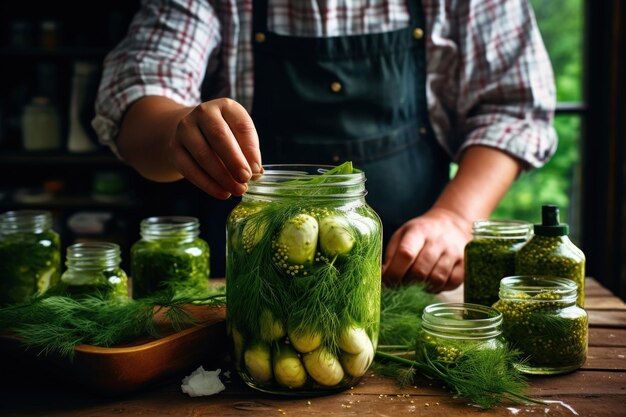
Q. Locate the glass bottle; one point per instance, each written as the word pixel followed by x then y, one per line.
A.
pixel 490 256
pixel 449 329
pixel 551 252
pixel 94 268
pixel 303 265
pixel 30 254
pixel 169 255
pixel 542 320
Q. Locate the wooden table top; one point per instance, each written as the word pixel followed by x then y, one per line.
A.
pixel 597 389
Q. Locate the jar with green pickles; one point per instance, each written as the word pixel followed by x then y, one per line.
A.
pixel 542 320
pixel 169 255
pixel 303 280
pixel 551 252
pixel 490 256
pixel 450 329
pixel 93 268
pixel 30 255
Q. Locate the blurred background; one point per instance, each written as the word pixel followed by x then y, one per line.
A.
pixel 51 55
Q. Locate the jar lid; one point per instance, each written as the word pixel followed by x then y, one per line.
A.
pixel 550 225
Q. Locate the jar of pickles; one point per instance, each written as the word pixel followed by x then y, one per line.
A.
pixel 30 255
pixel 303 268
pixel 551 252
pixel 94 268
pixel 542 320
pixel 169 255
pixel 490 256
pixel 449 329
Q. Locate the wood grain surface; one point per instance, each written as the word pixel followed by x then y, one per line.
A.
pixel 597 389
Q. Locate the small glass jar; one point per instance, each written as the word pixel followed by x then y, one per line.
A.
pixel 542 320
pixel 94 268
pixel 303 265
pixel 30 255
pixel 169 255
pixel 490 256
pixel 449 329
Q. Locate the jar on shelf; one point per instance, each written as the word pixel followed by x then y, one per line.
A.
pixel 551 252
pixel 542 320
pixel 449 329
pixel 94 268
pixel 169 255
pixel 41 125
pixel 303 267
pixel 30 254
pixel 490 256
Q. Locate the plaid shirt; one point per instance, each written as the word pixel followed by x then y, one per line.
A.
pixel 489 79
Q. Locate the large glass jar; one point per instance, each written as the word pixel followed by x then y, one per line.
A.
pixel 169 255
pixel 94 268
pixel 303 280
pixel 542 320
pixel 490 256
pixel 449 329
pixel 551 252
pixel 30 254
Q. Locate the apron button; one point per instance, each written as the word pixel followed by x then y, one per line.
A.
pixel 423 130
pixel 335 87
pixel 259 37
pixel 336 158
pixel 418 33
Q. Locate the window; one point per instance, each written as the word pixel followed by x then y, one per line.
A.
pixel 562 27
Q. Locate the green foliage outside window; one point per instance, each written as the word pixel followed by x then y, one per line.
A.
pixel 562 28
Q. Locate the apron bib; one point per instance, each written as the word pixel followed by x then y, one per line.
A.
pixel 360 98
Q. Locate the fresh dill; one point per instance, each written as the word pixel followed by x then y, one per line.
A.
pixel 485 376
pixel 56 324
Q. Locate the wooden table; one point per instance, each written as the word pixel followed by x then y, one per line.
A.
pixel 598 389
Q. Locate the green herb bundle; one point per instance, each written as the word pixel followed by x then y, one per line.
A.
pixel 58 323
pixel 484 376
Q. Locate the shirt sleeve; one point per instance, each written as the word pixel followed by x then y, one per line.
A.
pixel 164 53
pixel 505 93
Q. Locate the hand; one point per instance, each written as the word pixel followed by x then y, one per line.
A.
pixel 428 248
pixel 216 147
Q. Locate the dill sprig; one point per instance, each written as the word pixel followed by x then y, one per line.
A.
pixel 56 324
pixel 486 377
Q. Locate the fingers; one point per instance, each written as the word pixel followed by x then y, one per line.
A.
pixel 245 133
pixel 198 159
pixel 188 167
pixel 402 251
pixel 411 257
pixel 217 148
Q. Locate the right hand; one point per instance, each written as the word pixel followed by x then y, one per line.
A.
pixel 216 147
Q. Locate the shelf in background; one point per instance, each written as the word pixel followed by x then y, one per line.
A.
pixel 71 202
pixel 57 158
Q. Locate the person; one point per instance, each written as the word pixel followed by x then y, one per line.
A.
pixel 212 90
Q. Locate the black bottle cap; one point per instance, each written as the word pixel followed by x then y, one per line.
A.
pixel 550 225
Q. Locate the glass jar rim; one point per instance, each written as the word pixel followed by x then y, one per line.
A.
pixel 512 288
pixel 447 320
pixel 280 180
pixel 170 226
pixel 34 221
pixel 93 255
pixel 502 228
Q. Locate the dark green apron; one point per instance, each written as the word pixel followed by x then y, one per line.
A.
pixel 351 98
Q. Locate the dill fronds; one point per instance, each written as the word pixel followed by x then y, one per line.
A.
pixel 57 323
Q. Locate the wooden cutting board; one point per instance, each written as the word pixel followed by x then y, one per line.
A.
pixel 126 368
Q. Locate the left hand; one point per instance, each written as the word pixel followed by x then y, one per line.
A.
pixel 428 248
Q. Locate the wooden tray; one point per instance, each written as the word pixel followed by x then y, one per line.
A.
pixel 126 368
